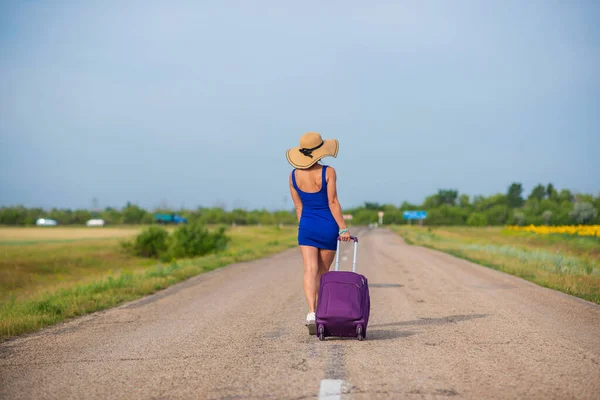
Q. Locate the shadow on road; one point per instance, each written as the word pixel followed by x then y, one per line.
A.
pixel 379 334
pixel 385 285
pixel 451 319
pixel 386 334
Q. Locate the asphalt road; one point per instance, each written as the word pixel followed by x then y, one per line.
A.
pixel 440 328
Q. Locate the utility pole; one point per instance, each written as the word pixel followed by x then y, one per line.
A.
pixel 95 208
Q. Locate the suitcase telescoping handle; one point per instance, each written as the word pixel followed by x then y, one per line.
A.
pixel 337 253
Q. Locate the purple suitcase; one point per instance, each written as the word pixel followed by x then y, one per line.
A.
pixel 344 302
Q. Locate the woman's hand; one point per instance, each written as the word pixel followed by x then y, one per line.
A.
pixel 345 237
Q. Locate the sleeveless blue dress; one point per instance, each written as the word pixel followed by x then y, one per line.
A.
pixel 317 225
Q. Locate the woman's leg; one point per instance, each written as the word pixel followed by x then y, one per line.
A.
pixel 325 259
pixel 310 257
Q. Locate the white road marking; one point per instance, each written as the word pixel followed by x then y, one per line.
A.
pixel 331 389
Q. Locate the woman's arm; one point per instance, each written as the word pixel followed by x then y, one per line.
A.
pixel 296 199
pixel 334 204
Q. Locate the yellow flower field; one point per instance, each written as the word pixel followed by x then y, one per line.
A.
pixel 580 230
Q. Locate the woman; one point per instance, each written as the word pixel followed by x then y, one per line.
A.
pixel 313 189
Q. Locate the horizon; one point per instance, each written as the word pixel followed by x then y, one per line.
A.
pixel 194 105
pixel 229 208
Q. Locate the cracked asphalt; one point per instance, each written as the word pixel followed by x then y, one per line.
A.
pixel 440 328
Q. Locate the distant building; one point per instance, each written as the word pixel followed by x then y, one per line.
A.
pixel 46 222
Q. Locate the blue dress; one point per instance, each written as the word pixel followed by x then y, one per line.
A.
pixel 317 227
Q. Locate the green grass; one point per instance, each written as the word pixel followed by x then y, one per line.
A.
pixel 44 284
pixel 568 264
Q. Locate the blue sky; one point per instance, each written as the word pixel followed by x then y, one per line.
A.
pixel 194 103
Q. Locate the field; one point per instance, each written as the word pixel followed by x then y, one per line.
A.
pixel 50 274
pixel 567 263
pixel 567 230
pixel 18 235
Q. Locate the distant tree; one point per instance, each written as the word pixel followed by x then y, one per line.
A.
pixel 566 195
pixel 547 216
pixel 497 215
pixel 62 216
pixel 485 203
pixel 583 198
pixel 111 216
pixel 406 206
pixel 551 192
pixel 519 218
pixel 447 215
pixel 514 196
pixel 13 215
pixel 216 215
pixel 583 213
pixel 432 201
pixel 81 216
pixel 544 205
pixel 477 219
pixel 239 216
pixel 388 208
pixel 447 196
pixel 463 200
pixel 532 202
pixel 478 201
pixel 372 206
pixel 538 192
pixel 147 219
pixel 132 214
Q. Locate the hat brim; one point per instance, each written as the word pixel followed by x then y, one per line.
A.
pixel 298 160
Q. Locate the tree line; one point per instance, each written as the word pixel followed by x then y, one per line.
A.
pixel 544 205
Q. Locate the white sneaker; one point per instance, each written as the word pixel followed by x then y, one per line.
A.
pixel 310 323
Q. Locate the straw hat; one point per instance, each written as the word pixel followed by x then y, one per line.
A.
pixel 312 148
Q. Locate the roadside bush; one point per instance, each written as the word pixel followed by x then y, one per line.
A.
pixel 190 240
pixel 152 242
pixel 194 239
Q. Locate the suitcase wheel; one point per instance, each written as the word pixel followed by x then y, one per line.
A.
pixel 359 332
pixel 321 332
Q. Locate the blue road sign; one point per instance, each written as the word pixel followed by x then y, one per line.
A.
pixel 415 214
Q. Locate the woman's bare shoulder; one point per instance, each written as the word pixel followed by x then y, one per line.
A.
pixel 330 172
